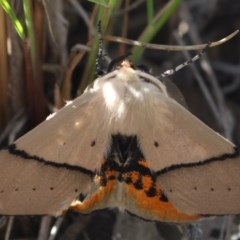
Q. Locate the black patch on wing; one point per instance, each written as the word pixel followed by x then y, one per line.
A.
pixel 163 197
pixel 222 157
pixel 82 197
pixel 126 159
pixel 151 192
pixel 126 148
pixel 12 149
pixel 138 184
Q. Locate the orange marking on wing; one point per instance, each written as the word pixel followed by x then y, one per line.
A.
pixel 94 199
pixel 147 183
pixel 143 163
pixel 149 207
pixel 153 206
pixel 158 209
pixel 134 176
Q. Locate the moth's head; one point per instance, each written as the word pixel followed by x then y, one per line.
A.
pixel 127 71
pixel 124 62
pixel 122 73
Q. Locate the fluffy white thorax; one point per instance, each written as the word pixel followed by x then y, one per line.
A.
pixel 130 96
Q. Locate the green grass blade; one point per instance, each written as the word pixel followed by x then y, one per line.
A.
pixel 103 3
pixel 150 11
pixel 151 30
pixel 11 14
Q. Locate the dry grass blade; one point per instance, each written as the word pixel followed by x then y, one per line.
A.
pixel 44 228
pixel 3 72
pixel 9 228
pixel 76 55
pixel 169 47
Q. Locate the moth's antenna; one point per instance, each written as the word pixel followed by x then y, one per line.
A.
pixel 100 54
pixel 170 72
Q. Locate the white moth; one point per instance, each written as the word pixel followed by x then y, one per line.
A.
pixel 123 143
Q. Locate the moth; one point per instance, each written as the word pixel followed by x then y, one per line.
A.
pixel 126 143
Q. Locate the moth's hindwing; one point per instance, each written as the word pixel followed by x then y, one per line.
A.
pixel 125 181
pixel 30 187
pixel 197 168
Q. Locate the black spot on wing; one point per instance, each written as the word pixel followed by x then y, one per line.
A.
pixel 151 192
pixel 93 143
pixel 128 180
pixel 138 184
pixel 82 197
pixel 163 197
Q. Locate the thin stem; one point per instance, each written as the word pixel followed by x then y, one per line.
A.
pixel 150 11
pixel 27 6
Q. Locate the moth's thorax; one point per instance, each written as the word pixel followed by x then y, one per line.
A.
pixel 130 94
